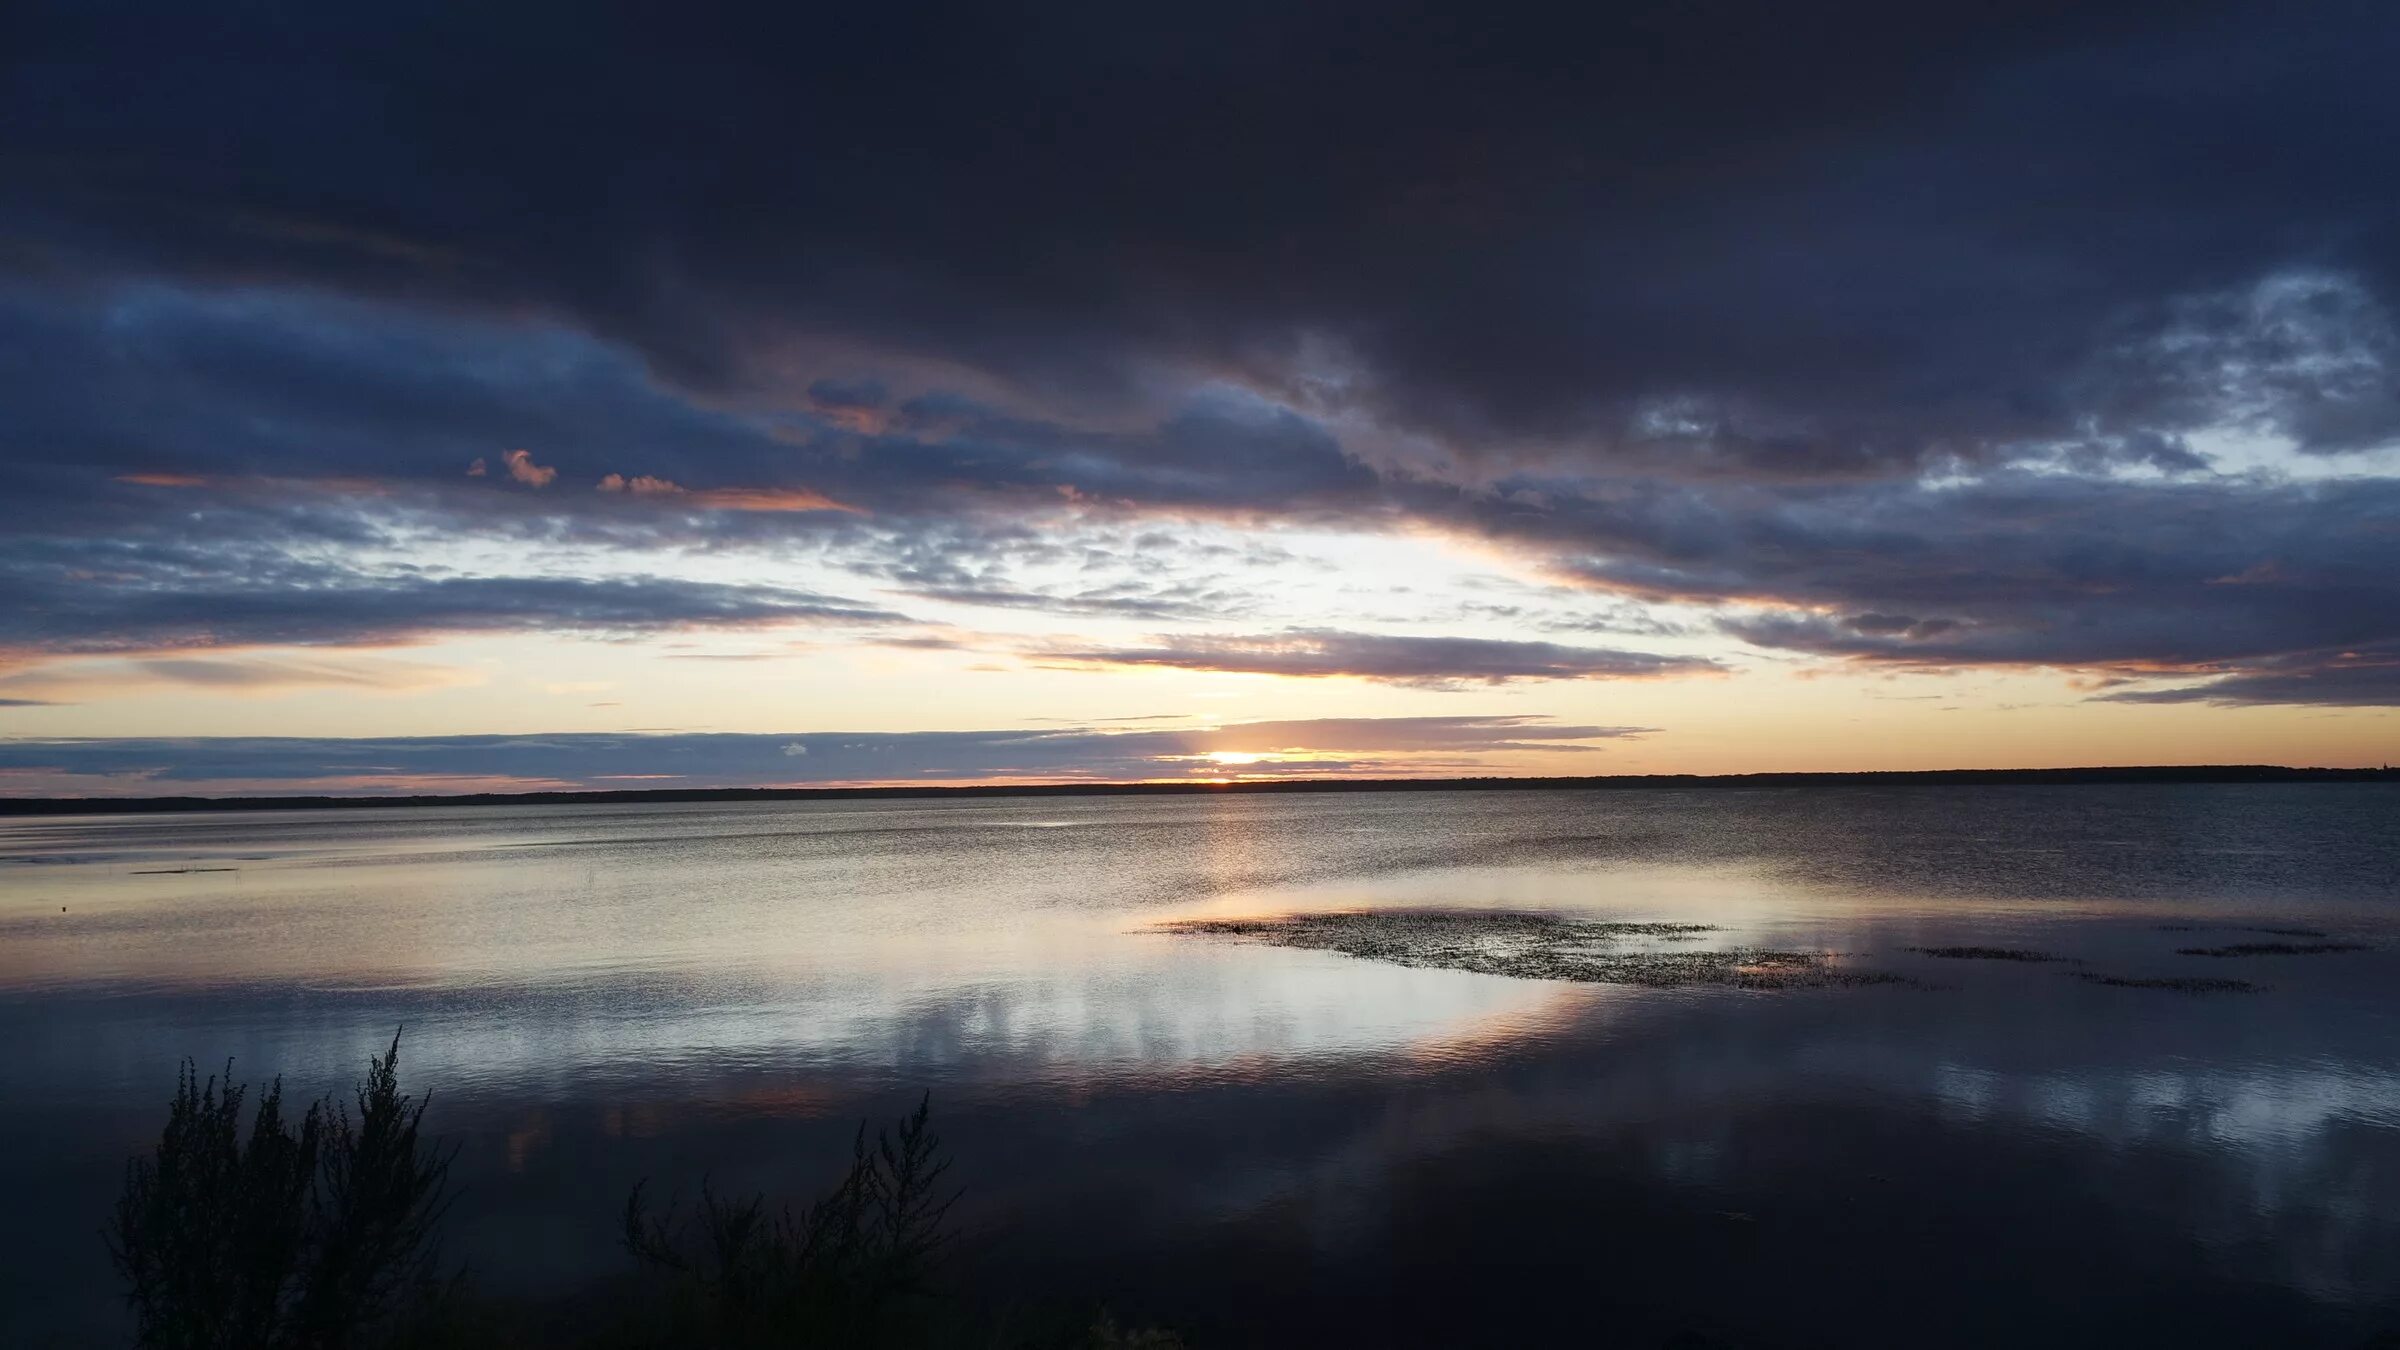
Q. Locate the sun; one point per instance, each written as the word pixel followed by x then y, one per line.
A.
pixel 1235 756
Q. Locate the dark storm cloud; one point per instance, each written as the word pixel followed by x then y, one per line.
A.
pixel 240 442
pixel 1430 661
pixel 2224 576
pixel 602 760
pixel 2022 569
pixel 151 378
pixel 1748 306
pixel 154 382
pixel 1786 240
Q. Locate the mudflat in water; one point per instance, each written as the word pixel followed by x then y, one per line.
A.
pixel 1310 1070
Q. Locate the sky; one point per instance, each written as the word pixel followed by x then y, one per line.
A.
pixel 473 397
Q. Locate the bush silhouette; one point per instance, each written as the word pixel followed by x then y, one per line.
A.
pixel 310 1236
pixel 321 1233
pixel 841 1272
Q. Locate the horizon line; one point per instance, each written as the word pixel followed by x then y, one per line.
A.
pixel 2053 776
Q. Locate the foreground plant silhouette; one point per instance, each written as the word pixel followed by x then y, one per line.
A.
pixel 313 1236
pixel 321 1233
pixel 843 1271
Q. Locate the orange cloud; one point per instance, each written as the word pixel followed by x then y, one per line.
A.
pixel 771 499
pixel 863 420
pixel 727 498
pixel 239 482
pixel 642 485
pixel 522 468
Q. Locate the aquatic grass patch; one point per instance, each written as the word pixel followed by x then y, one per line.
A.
pixel 2242 928
pixel 2274 949
pixel 2182 984
pixel 1985 954
pixel 1535 947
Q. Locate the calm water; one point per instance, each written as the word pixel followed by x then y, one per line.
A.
pixel 1279 1146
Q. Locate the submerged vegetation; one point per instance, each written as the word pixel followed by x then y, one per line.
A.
pixel 1538 946
pixel 2241 928
pixel 2274 949
pixel 1535 947
pixel 2182 984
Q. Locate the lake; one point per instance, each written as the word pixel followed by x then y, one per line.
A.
pixel 1282 1145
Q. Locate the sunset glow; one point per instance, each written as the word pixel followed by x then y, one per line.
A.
pixel 384 473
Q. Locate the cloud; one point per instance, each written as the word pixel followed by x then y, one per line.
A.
pixel 283 602
pixel 2015 570
pixel 521 467
pixel 84 680
pixel 1333 746
pixel 771 499
pixel 1369 735
pixel 1118 600
pixel 257 673
pixel 1802 245
pixel 796 499
pixel 1898 335
pixel 2368 678
pixel 1999 567
pixel 1429 661
pixel 642 485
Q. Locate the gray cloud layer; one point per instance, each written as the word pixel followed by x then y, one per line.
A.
pixel 1898 333
pixel 158 606
pixel 147 766
pixel 1441 661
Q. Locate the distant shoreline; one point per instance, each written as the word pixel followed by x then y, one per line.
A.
pixel 2198 773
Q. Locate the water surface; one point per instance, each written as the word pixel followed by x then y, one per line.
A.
pixel 1270 1145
